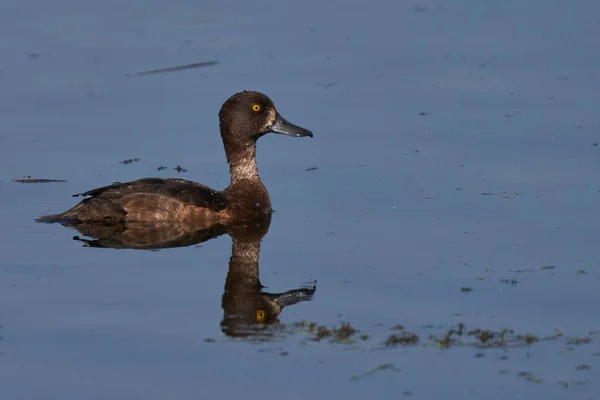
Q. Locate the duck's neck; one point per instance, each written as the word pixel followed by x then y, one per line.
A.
pixel 242 163
pixel 248 196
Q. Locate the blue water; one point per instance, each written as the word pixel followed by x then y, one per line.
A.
pixel 457 146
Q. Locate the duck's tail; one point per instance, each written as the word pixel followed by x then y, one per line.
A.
pixel 53 218
pixel 88 210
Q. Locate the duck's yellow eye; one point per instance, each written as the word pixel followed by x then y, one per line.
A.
pixel 260 314
pixel 256 108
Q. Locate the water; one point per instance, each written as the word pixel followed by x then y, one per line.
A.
pixel 456 150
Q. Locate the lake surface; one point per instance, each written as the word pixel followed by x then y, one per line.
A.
pixel 447 207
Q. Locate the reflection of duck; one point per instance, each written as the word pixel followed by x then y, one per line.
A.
pixel 243 118
pixel 144 236
pixel 247 309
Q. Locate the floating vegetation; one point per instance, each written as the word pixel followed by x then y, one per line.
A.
pixel 458 336
pixel 344 334
pixel 482 340
pixel 403 339
pixel 529 339
pixel 578 341
pixel 398 337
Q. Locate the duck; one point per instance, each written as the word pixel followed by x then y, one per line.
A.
pixel 243 119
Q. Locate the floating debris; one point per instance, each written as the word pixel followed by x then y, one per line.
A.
pixel 311 169
pixel 379 368
pixel 328 85
pixel 417 9
pixel 529 377
pixel 129 161
pixel 520 271
pixel 180 169
pixel 173 69
pixel 161 168
pixel 29 179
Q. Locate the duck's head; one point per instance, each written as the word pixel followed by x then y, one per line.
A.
pixel 247 115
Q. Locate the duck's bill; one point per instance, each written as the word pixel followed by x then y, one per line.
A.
pixel 284 127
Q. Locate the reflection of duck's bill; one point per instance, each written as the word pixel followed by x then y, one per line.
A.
pixel 293 296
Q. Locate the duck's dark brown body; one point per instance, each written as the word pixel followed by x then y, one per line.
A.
pixel 243 118
pixel 158 200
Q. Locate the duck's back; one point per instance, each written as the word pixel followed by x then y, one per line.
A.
pixel 147 200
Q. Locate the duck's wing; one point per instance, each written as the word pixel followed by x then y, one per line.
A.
pixel 184 191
